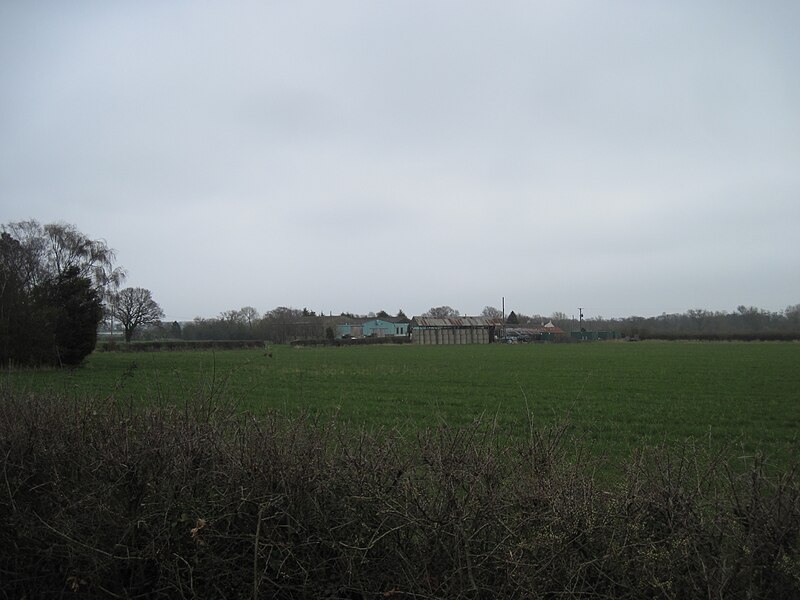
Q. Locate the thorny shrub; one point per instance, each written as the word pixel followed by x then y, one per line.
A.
pixel 99 498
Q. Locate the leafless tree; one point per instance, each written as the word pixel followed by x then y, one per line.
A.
pixel 233 317
pixel 284 314
pixel 135 307
pixel 441 312
pixel 492 312
pixel 53 248
pixel 249 315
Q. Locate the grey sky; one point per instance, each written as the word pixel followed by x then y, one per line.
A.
pixel 628 157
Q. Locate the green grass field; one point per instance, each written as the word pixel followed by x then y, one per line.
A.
pixel 738 396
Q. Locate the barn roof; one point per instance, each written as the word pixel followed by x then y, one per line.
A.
pixel 362 320
pixel 457 322
pixel 535 330
pixel 395 319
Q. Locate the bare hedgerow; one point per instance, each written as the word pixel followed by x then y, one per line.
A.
pixel 100 498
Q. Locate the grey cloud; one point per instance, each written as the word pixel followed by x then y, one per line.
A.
pixel 640 155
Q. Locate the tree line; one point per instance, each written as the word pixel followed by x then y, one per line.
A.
pixel 284 324
pixel 743 322
pixel 56 286
pixel 279 325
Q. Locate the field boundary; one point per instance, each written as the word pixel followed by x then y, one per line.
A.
pixel 368 341
pixel 179 345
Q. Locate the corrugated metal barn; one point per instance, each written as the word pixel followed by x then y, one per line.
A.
pixel 455 330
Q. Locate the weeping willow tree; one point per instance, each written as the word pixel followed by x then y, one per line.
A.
pixel 55 284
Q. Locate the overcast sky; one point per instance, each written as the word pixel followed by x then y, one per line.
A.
pixel 626 157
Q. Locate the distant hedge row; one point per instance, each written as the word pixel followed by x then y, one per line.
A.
pixel 771 336
pixel 178 345
pixel 367 341
pixel 99 499
pixel 152 346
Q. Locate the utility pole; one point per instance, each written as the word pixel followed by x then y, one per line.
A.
pixel 504 316
pixel 580 318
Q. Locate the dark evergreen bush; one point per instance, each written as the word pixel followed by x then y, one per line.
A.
pixel 75 311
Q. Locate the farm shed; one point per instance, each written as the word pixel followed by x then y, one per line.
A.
pixel 385 327
pixel 455 330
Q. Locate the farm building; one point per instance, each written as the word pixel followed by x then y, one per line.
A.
pixel 383 327
pixel 544 333
pixel 455 330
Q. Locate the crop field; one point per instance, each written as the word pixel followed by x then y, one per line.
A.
pixel 736 397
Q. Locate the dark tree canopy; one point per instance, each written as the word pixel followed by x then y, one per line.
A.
pixel 76 310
